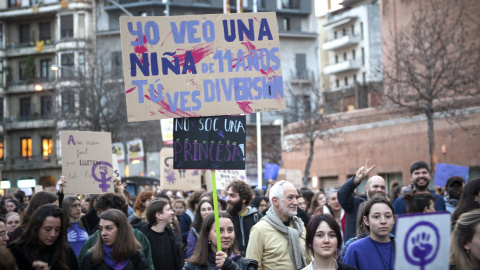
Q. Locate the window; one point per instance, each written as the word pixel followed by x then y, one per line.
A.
pixel 67 64
pixel 361 30
pixel 363 56
pixel 364 78
pixel 24 33
pixel 1 35
pixel 1 148
pixel 68 102
pixel 26 146
pixel 336 58
pixel 353 54
pixel 21 70
pixel 142 14
pixel 1 110
pixel 337 82
pixel 346 80
pixel 46 106
pixel 335 34
pixel 292 4
pixel 25 107
pixel 345 56
pixel 81 63
pixel 45 31
pixel 1 73
pixel 47 146
pixel 117 65
pixel 301 65
pixel 45 72
pixel 306 104
pixel 14 3
pixel 353 29
pixel 344 31
pixel 81 26
pixel 286 24
pixel 354 78
pixel 66 26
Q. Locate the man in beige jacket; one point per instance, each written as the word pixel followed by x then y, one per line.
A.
pixel 277 241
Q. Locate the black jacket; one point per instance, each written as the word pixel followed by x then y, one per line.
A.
pixel 240 263
pixel 242 226
pixel 137 262
pixel 90 222
pixel 350 203
pixel 175 242
pixel 21 253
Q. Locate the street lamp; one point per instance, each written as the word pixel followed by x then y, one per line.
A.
pixel 38 87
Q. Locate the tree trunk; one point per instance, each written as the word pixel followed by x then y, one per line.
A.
pixel 309 163
pixel 431 141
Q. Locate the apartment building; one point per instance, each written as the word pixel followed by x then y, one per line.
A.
pixel 351 54
pixel 34 36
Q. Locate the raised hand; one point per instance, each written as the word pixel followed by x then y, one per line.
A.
pixel 422 248
pixel 362 172
pixel 62 183
pixel 220 258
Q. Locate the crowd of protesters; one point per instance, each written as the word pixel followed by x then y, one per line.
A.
pixel 282 228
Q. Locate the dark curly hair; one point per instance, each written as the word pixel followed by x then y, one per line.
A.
pixel 111 201
pixel 243 189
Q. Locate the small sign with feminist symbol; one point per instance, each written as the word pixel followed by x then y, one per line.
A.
pixel 87 162
pixel 423 241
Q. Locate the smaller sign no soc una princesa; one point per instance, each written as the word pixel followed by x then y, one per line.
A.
pixel 209 143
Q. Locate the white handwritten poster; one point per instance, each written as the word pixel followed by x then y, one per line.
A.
pixel 224 177
pixel 422 241
pixel 87 162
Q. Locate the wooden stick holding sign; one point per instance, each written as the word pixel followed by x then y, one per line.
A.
pixel 215 209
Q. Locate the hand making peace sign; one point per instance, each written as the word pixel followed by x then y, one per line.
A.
pixel 362 173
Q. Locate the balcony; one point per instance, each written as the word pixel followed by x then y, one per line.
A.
pixel 25 86
pixel 30 122
pixel 341 42
pixel 29 48
pixel 32 162
pixel 344 66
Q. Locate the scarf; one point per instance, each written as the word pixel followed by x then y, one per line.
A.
pixel 292 234
pixel 110 261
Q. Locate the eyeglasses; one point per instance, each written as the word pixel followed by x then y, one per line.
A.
pixel 3 234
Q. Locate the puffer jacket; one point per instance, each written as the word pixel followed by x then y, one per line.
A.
pixel 237 263
pixel 137 262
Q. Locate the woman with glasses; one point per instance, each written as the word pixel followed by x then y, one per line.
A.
pixel 3 233
pixel 76 233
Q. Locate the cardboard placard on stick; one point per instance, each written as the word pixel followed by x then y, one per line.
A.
pixel 224 177
pixel 176 179
pixel 201 65
pixel 87 162
pixel 210 143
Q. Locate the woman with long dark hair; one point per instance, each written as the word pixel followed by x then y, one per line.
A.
pixel 116 248
pixel 43 244
pixel 324 242
pixel 469 200
pixel 76 233
pixel 204 208
pixel 206 256
pixel 40 198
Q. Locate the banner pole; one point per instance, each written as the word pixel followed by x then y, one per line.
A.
pixel 215 209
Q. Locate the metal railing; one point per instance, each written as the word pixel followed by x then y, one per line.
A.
pixel 32 162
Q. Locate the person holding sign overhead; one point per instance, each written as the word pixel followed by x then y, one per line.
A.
pixel 206 256
pixel 377 250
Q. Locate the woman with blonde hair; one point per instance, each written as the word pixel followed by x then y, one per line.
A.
pixel 464 244
pixel 116 247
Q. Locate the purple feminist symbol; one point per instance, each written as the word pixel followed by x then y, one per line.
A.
pixel 103 169
pixel 421 244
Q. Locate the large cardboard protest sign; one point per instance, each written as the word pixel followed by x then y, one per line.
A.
pixel 224 177
pixel 177 179
pixel 271 171
pixel 209 143
pixel 87 162
pixel 422 241
pixel 201 65
pixel 292 176
pixel 444 171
